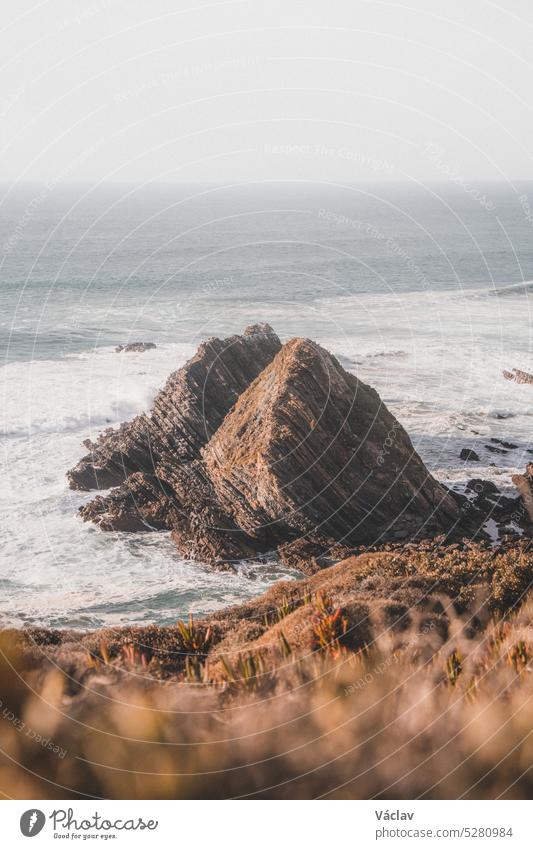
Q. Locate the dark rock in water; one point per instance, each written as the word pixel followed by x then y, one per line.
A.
pixel 184 414
pixel 253 448
pixel 469 454
pixel 495 450
pixel 518 376
pixel 492 504
pixel 509 445
pixel 135 347
pixel 487 489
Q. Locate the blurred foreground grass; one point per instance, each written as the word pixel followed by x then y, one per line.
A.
pixel 432 699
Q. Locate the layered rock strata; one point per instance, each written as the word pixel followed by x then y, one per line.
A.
pixel 253 448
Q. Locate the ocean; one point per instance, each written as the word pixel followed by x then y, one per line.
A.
pixel 423 291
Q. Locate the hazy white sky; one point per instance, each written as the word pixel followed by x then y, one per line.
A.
pixel 123 90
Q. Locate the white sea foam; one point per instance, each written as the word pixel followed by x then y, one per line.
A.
pixel 84 392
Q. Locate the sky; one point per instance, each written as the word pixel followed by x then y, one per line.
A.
pixel 247 90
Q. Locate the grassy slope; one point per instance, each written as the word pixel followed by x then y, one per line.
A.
pixel 395 675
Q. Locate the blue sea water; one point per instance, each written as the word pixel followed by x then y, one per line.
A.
pixel 422 291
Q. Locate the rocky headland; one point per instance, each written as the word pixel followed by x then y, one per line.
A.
pixel 258 448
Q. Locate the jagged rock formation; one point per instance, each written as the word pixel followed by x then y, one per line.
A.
pixel 142 503
pixel 311 450
pixel 252 447
pixel 184 415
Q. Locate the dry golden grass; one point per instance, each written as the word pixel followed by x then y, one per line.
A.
pixel 437 706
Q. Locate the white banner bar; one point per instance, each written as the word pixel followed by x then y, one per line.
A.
pixel 267 824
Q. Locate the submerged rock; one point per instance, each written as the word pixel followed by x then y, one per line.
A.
pixel 495 450
pixel 510 446
pixel 254 448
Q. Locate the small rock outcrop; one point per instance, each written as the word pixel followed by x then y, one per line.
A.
pixel 135 347
pixel 469 455
pixel 518 376
pixel 253 448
